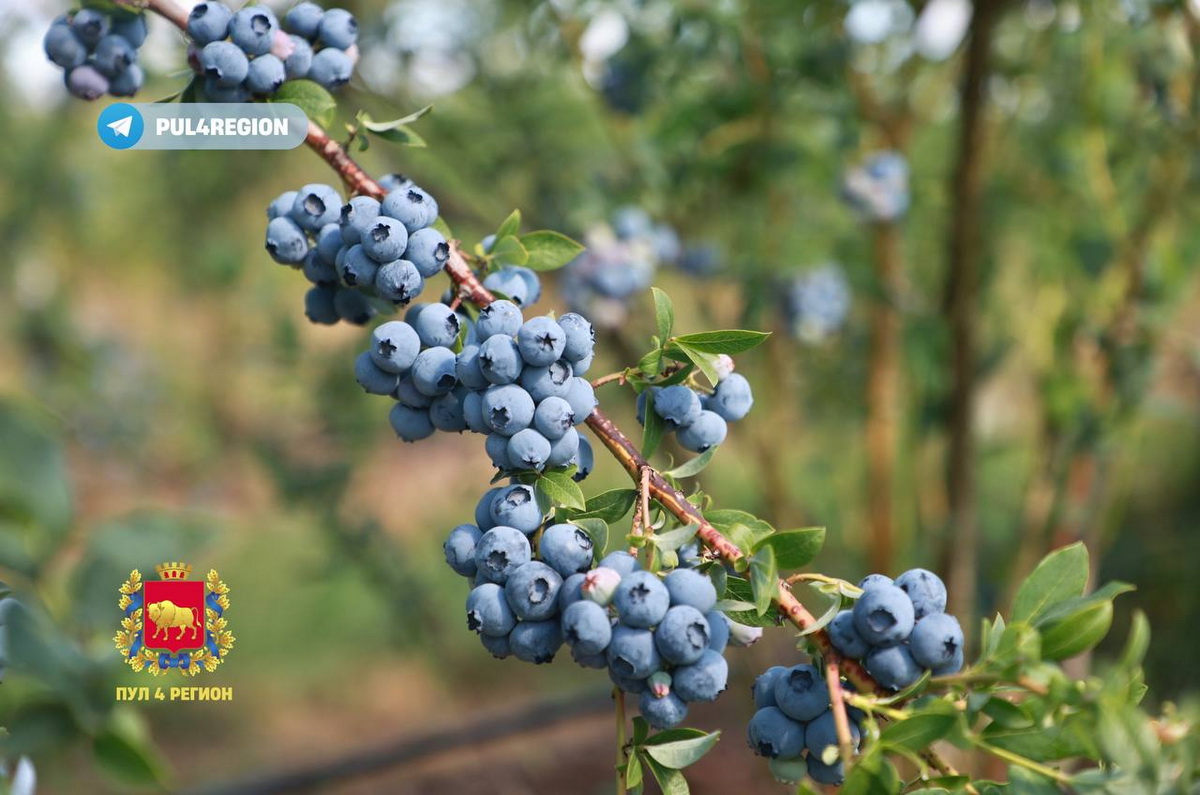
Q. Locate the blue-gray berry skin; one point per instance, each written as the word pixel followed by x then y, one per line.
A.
pixel 472 407
pixel 488 612
pixel 128 82
pixel 384 239
pixel 641 599
pixel 499 647
pixel 872 580
pixel 821 733
pixel 459 548
pixel 580 336
pixel 704 679
pixel 528 449
pixel 408 394
pixel 586 627
pixel 515 506
pixel 954 666
pixel 398 281
pixel 732 398
pixel 584 459
pixel 394 181
pixel 541 341
pixel 536 641
pixel 467 367
pixel 543 382
pixel 571 592
pixel 265 76
pixel 329 243
pixel 801 692
pixel 281 205
pixel 428 250
pixel 566 549
pixel 884 615
pixel 845 637
pixel 63 47
pixel 355 217
pixel 500 360
pixel 532 591
pixel 411 425
pixel 501 551
pixel 85 82
pixel 774 735
pixel 330 68
pixel 499 317
pixel 718 627
pixel 688 587
pixel 483 509
pixel 627 684
pixel 564 450
pixel 225 65
pixel 621 562
pixel 356 268
pixel 304 20
pixel 496 447
pixel 553 417
pixel 296 65
pixel 662 713
pixel 678 406
pixel 353 307
pixel 132 28
pixel 371 378
pixel 682 636
pixel 114 55
pixel 438 325
pixel 582 398
pixel 447 413
pixel 508 281
pixel 936 640
pixel 689 555
pixel 411 206
pixel 925 589
pixel 893 667
pixel 507 409
pixel 632 653
pixel 533 284
pixel 707 431
pixel 597 661
pixel 215 92
pixel 433 371
pixel 252 29
pixel 90 26
pixel 315 206
pixel 583 365
pixel 319 307
pixel 208 22
pixel 337 28
pixel 642 398
pixel 763 688
pixel 822 773
pixel 286 242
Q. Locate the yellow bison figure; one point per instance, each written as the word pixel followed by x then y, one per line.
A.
pixel 167 615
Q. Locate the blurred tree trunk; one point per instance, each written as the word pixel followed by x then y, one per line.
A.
pixel 883 396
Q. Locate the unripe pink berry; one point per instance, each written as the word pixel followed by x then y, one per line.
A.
pixel 724 366
pixel 352 54
pixel 282 45
pixel 660 684
pixel 600 584
pixel 742 635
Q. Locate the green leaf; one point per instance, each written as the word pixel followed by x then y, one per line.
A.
pixel 317 103
pixel 651 363
pixel 918 732
pixel 440 225
pixel 664 313
pixel 1077 632
pixel 596 529
pixel 633 772
pixel 511 226
pixel 611 506
pixel 404 136
pixel 130 763
pixel 764 579
pixel 670 781
pixel 744 529
pixel 1060 576
pixel 694 466
pixel 1063 611
pixel 549 250
pixel 832 605
pixel 674 539
pixel 704 361
pixel 367 122
pixel 652 433
pixel 678 754
pixel 794 548
pixel 510 251
pixel 728 341
pixel 1138 641
pixel 678 377
pixel 641 730
pixel 559 488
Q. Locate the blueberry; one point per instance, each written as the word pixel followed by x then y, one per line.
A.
pixel 627 684
pixel 132 28
pixel 642 397
pixel 428 250
pixel 580 336
pixel 678 406
pixel 690 555
pixel 252 29
pixel 501 551
pixel 571 592
pixel 954 666
pixel 408 394
pixel 541 341
pixel 353 307
pixel 472 406
pixel 718 627
pixel 707 431
pixel 500 360
pixel 507 409
pixel 512 284
pixel 536 641
pixel 872 580
pixel 286 242
pixel 208 22
pixel 553 417
pixel 330 68
pixel 215 92
pixel 398 281
pixel 533 285
pixel 265 76
pixel 774 735
pixel 496 447
pixel 763 688
pixel 564 450
pixel 732 398
pixel 281 205
pixel 356 216
pixel 329 243
pixel 703 680
pixel 411 425
pixel 128 82
pixel 893 667
pixel 936 640
pixel 371 378
pixel 597 661
pixel 338 28
pixel 641 599
pixel 884 615
pixel 515 506
pixel 499 317
pixel 384 239
pixel 528 449
pixel 488 612
pixel 925 589
pixel 688 587
pixel 788 771
pixel 315 206
pixel 632 653
pixel 682 636
pixel 318 305
pixel 460 549
pixel 299 61
pixel 433 371
pixel 304 20
pixel 499 646
pixel 582 398
pixel 566 549
pixel 631 222
pixel 845 636
pixel 411 206
pixel 483 509
pixel 544 382
pixel 113 55
pixel 586 627
pixel 584 364
pixel 662 713
pixel 621 562
pixel 822 773
pixel 801 692
pixel 532 591
pixel 90 26
pixel 356 268
pixel 438 325
pixel 821 733
pixel 584 459
pixel 467 368
pixel 224 65
pixel 394 346
pixel 447 413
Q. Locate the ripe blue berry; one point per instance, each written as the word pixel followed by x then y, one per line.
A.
pixel 532 591
pixel 925 589
pixel 500 552
pixel 704 679
pixel 571 592
pixel 821 733
pixel 63 47
pixel 114 55
pixel 282 204
pixel 541 341
pixel 632 653
pixel 544 382
pixel 582 398
pixel 398 281
pixel 356 268
pixel 884 615
pixel 356 216
pixel 732 398
pixel 208 22
pixel 528 449
pixel 384 239
pixel 872 580
pixel 553 417
pixel 467 367
pixel 499 317
pixel 566 549
pixel 265 76
pixel 954 666
pixel 801 693
pixel 319 307
pixel 438 325
pixel 822 773
pixel 411 206
pixel 128 82
pixel 90 26
pixel 515 506
pixel 488 612
pixel 252 29
pixel 564 450
pixel 215 92
pixel 315 206
pixel 844 636
pixel 682 636
pixel 586 627
pixel 304 20
pixel 580 337
pixel 536 641
pixel 678 406
pixel 688 587
pixel 893 667
pixel 337 28
pixel 496 447
pixel 506 409
pixel 597 661
pixel 225 66
pixel 428 250
pixel 621 562
pixel 353 307
pixel 773 734
pixel 627 684
pixel 483 509
pixel 500 360
pixel 473 412
pixel 286 241
pixel 329 243
pixel 408 394
pixel 460 549
pixel 297 64
pixel 510 282
pixel 447 413
pixel 371 378
pixel 394 346
pixel 433 371
pixel 662 713
pixel 936 640
pixel 411 425
pixel 763 688
pixel 641 599
pixel 497 645
pixel 584 459
pixel 707 431
pixel 718 628
pixel 132 28
pixel 330 68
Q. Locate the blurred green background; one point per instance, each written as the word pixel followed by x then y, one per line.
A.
pixel 165 399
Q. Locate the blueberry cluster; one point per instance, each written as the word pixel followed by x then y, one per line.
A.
pixel 878 189
pixel 900 629
pixel 816 303
pixel 98 52
pixel 359 249
pixel 699 420
pixel 248 53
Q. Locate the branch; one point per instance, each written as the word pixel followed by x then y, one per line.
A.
pixel 837 703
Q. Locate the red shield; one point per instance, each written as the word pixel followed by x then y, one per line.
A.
pixel 173 615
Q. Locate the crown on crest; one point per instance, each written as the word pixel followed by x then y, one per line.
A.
pixel 173 571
